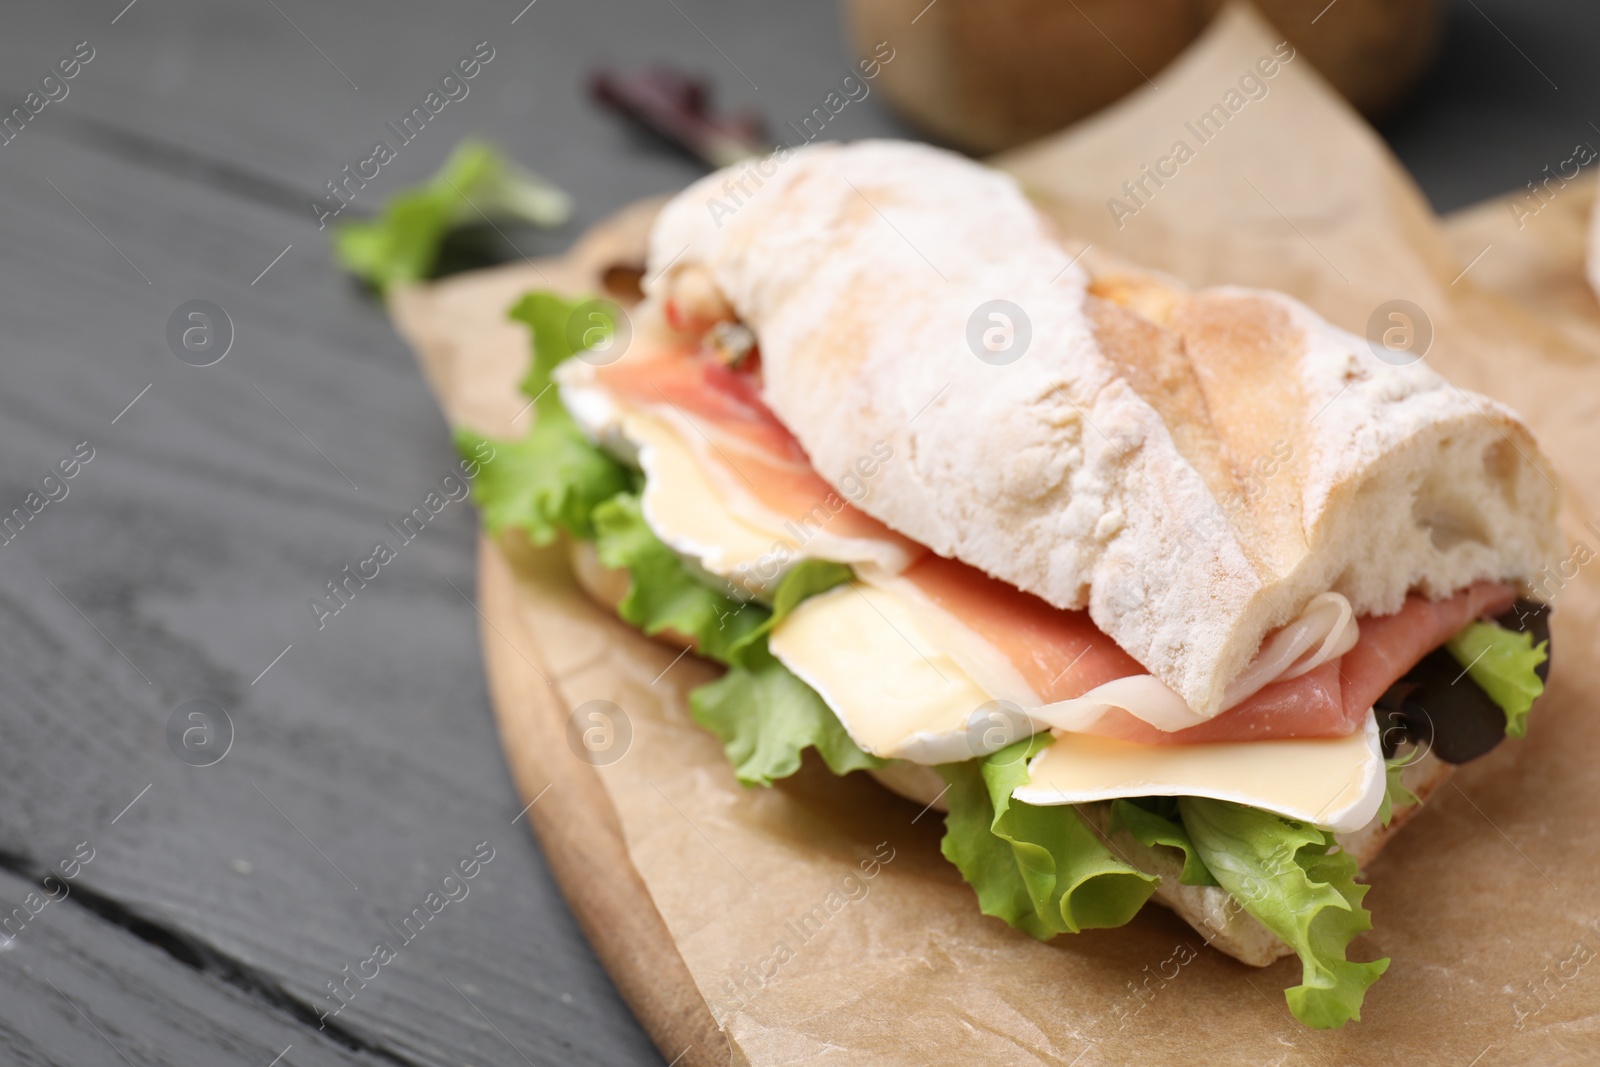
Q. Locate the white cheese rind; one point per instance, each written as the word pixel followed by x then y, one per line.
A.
pixel 898 696
pixel 866 651
pixel 725 531
pixel 1336 783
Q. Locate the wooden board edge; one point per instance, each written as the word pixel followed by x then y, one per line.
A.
pixel 581 837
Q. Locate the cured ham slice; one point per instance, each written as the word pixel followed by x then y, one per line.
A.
pixel 1333 700
pixel 1062 655
pixel 1055 654
pixel 754 458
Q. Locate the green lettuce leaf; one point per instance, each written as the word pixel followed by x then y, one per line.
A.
pixel 551 480
pixel 556 337
pixel 402 244
pixel 765 718
pixel 1503 664
pixel 1395 793
pixel 1153 821
pixel 663 592
pixel 804 579
pixel 554 478
pixel 1283 873
pixel 1041 869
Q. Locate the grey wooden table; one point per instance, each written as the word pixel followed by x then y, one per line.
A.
pixel 221 902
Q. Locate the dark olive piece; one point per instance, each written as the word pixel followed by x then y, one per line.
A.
pixel 1438 707
pixel 1393 727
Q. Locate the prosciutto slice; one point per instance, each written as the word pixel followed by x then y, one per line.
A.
pixel 1062 655
pixel 754 458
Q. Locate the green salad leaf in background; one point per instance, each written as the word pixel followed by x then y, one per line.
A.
pixel 477 183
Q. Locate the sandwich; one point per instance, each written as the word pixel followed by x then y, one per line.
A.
pixel 1156 593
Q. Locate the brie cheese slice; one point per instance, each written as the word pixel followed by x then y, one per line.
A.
pixel 1336 783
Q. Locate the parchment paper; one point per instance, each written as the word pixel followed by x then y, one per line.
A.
pixel 817 919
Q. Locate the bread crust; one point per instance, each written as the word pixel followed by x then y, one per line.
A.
pixel 1191 467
